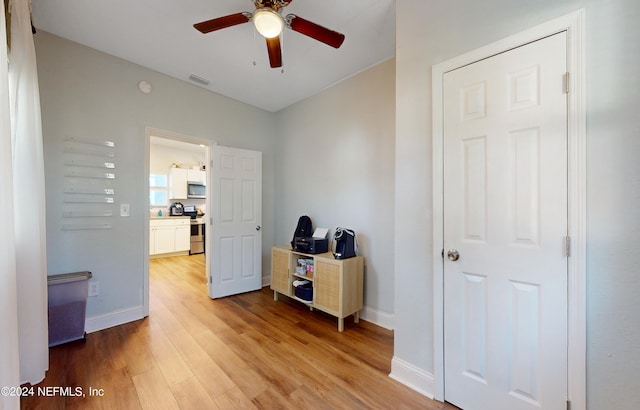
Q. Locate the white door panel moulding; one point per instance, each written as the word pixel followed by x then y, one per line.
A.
pixel 573 24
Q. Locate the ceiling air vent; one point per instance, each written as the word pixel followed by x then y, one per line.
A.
pixel 199 80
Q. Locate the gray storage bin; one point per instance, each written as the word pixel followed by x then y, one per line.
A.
pixel 67 306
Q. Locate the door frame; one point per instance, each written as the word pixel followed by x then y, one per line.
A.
pixel 573 24
pixel 157 132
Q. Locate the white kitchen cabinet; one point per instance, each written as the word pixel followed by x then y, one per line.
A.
pixel 170 236
pixel 195 175
pixel 183 238
pixel 164 239
pixel 178 183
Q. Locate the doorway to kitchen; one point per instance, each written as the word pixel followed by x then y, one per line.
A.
pixel 233 200
pixel 177 204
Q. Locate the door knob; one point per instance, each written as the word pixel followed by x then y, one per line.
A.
pixel 258 227
pixel 453 255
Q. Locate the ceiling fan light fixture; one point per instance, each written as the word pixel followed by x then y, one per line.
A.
pixel 268 23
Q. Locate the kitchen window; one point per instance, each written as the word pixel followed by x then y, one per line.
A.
pixel 158 189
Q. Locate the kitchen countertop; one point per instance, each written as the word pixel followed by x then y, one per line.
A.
pixel 170 217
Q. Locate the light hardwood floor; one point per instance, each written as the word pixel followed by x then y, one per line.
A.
pixel 240 352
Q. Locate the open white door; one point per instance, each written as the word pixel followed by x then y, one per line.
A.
pixel 235 236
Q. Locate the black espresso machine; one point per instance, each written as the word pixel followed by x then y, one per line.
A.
pixel 176 209
pixel 345 243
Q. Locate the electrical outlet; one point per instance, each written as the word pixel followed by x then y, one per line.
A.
pixel 94 288
pixel 125 210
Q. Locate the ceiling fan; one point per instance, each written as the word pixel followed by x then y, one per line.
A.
pixel 269 22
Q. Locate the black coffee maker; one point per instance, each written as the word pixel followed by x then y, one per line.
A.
pixel 345 243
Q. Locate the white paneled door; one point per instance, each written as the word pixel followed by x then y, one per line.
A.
pixel 235 234
pixel 505 227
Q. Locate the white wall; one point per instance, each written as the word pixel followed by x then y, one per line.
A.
pixel 183 154
pixel 90 94
pixel 336 164
pixel 429 32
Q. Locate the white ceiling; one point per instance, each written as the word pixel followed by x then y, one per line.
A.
pixel 159 34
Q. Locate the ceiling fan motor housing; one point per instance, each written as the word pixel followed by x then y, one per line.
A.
pixel 275 5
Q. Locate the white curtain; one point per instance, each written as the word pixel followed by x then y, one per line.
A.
pixel 28 197
pixel 10 367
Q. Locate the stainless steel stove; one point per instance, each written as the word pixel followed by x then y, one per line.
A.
pixel 197 236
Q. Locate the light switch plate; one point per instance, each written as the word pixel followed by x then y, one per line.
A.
pixel 124 210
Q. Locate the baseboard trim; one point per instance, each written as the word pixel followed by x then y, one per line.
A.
pixel 413 377
pixel 377 317
pixel 111 319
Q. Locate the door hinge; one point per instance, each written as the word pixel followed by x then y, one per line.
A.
pixel 210 280
pixel 566 82
pixel 567 245
pixel 568 405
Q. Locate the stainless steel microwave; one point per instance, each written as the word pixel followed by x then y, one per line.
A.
pixel 196 189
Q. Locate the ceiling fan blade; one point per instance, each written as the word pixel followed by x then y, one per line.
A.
pixel 275 53
pixel 222 22
pixel 306 27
